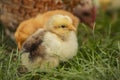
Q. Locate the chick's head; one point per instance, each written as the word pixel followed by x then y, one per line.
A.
pixel 60 25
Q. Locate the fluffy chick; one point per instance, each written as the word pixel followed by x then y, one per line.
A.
pixel 28 27
pixel 48 46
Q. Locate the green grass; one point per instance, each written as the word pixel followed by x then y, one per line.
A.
pixel 98 56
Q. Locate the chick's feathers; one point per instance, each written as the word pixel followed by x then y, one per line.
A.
pixel 28 27
pixel 46 48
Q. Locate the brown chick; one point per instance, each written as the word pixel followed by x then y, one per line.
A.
pixel 28 27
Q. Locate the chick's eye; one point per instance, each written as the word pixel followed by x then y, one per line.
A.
pixel 62 26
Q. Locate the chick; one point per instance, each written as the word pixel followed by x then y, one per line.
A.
pixel 102 3
pixel 110 7
pixel 50 45
pixel 28 27
pixel 108 4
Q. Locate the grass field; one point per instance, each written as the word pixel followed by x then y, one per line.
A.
pixel 98 56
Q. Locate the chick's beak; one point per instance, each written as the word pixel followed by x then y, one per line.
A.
pixel 72 28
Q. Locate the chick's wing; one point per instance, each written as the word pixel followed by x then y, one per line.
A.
pixel 33 44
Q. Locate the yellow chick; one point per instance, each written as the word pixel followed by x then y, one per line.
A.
pixel 108 4
pixel 48 46
pixel 28 27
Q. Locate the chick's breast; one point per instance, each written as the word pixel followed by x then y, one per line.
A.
pixel 52 43
pixel 64 50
